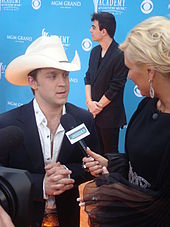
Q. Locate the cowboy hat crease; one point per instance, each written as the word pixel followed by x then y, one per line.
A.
pixel 44 52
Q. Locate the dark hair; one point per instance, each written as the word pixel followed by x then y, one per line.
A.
pixel 33 74
pixel 106 20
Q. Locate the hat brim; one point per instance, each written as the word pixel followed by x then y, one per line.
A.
pixel 18 70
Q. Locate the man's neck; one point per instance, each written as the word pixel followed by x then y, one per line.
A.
pixel 105 43
pixel 53 117
pixel 51 112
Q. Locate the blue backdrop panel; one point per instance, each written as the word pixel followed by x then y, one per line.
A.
pixel 22 21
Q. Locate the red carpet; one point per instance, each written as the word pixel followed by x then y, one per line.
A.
pixel 83 215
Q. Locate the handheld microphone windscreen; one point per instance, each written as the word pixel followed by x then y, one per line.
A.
pixel 11 137
pixel 68 122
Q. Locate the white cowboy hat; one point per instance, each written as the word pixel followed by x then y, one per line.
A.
pixel 44 52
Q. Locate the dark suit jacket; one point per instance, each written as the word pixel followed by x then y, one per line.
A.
pixel 29 157
pixel 108 79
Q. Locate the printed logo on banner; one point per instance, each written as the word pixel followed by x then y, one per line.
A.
pixel 95 2
pixel 19 38
pixel 86 44
pixel 64 39
pixel 2 70
pixel 66 43
pixel 73 80
pixel 146 6
pixel 66 4
pixel 44 33
pixel 116 7
pixel 137 91
pixel 14 103
pixel 10 5
pixel 36 4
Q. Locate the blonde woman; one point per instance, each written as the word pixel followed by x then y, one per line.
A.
pixel 136 189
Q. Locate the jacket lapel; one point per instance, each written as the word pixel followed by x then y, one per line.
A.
pixel 66 150
pixel 96 62
pixel 31 136
pixel 66 147
pixel 105 60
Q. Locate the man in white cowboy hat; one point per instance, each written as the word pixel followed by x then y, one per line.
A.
pixel 54 164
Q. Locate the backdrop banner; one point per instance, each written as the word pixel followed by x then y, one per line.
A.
pixel 22 21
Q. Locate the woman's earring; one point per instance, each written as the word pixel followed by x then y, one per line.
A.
pixel 151 90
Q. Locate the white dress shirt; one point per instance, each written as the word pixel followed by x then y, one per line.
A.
pixel 45 138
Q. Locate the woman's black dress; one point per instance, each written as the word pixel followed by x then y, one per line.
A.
pixel 137 190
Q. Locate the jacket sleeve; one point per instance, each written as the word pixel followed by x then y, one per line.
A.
pixel 87 78
pixel 119 76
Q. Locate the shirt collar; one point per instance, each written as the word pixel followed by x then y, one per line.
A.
pixel 40 117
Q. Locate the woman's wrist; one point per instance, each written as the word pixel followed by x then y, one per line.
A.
pixel 105 162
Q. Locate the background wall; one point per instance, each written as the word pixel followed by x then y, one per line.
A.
pixel 22 21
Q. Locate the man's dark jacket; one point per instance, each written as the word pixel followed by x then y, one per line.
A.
pixel 29 156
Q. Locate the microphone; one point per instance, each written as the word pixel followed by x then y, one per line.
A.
pixel 11 137
pixel 75 133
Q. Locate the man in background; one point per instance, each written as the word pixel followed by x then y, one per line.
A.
pixel 105 81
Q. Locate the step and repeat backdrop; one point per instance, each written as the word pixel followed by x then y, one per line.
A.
pixel 22 21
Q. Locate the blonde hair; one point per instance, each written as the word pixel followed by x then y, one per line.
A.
pixel 149 43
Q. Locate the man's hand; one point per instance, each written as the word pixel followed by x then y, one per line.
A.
pixel 94 107
pixel 57 179
pixel 5 220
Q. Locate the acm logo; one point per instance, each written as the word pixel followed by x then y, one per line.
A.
pixel 116 7
pixel 2 70
pixel 95 2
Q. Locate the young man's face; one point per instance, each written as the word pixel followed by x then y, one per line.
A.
pixel 51 86
pixel 96 34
